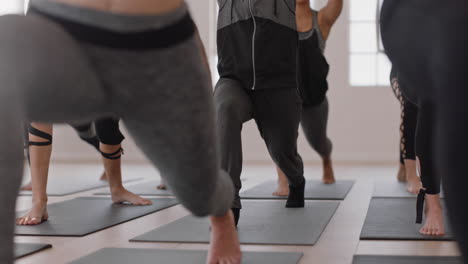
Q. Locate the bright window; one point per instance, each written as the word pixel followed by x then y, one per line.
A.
pixel 11 6
pixel 368 65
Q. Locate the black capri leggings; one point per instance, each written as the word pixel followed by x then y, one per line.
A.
pixel 427 42
pixel 105 131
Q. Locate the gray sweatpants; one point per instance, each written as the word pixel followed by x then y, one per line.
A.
pixel 314 124
pixel 163 96
pixel 277 113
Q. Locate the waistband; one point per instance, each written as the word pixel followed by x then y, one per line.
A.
pixel 131 32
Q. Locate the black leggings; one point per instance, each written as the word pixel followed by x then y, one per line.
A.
pixel 105 131
pixel 416 137
pixel 409 118
pixel 426 41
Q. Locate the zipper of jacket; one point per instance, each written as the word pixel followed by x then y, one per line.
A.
pixel 253 45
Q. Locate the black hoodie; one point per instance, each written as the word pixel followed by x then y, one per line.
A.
pixel 257 43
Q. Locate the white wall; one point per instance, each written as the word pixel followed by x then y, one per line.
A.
pixel 364 121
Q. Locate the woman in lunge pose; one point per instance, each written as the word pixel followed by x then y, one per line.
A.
pixel 314 27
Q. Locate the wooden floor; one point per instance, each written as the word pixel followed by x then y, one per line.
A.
pixel 337 245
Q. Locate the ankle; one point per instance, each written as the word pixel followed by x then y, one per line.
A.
pixel 118 188
pixel 412 176
pixel 220 222
pixel 433 202
pixel 40 201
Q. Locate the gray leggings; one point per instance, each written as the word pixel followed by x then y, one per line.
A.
pixel 314 124
pixel 163 96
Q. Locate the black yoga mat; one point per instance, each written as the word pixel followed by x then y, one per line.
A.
pixel 406 260
pixel 395 219
pixel 315 190
pixel 86 215
pixel 71 184
pixel 158 256
pixel 261 222
pixel 144 188
pixel 26 249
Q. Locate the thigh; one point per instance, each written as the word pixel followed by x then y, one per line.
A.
pixel 174 124
pixel 47 69
pixel 278 114
pixel 232 101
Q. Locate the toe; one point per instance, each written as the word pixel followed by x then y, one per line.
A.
pixel 147 202
pixel 423 231
pixel 34 221
pixel 19 221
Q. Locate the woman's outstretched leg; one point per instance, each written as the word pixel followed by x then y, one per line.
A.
pixel 62 91
pixel 40 149
pixel 410 120
pixel 434 222
pixel 171 118
pixel 11 169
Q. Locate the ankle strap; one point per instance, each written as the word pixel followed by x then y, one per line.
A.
pixel 112 156
pixel 420 206
pixel 36 132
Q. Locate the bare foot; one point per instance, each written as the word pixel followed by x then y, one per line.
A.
pixel 434 224
pixel 161 186
pixel 104 177
pixel 224 246
pixel 401 176
pixel 282 189
pixel 413 181
pixel 121 195
pixel 35 216
pixel 27 187
pixel 328 174
pixel 413 185
pixel 283 185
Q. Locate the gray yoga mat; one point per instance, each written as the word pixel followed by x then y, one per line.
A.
pixel 144 188
pixel 261 222
pixel 392 189
pixel 406 260
pixel 158 256
pixel 86 215
pixel 394 219
pixel 71 184
pixel 26 249
pixel 315 190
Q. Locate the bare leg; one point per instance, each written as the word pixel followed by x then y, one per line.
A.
pixel 27 187
pixel 40 162
pixel 328 174
pixel 103 177
pixel 114 171
pixel 224 241
pixel 413 181
pixel 434 224
pixel 283 185
pixel 401 175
